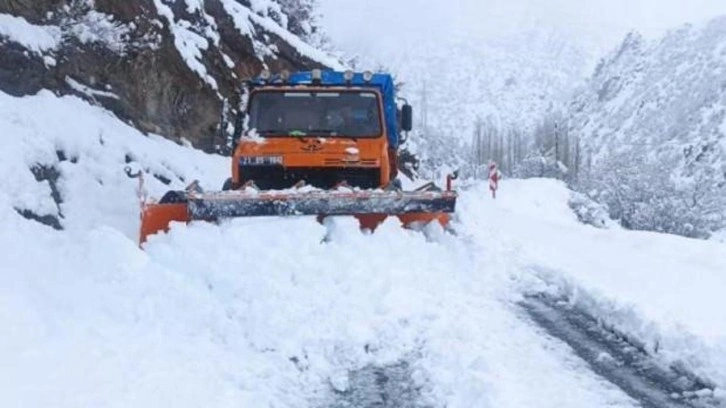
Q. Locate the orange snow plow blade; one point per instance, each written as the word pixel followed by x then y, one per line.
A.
pixel 157 217
pixel 372 221
pixel 371 208
pixel 424 218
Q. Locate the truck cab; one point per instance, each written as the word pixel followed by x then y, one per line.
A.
pixel 320 128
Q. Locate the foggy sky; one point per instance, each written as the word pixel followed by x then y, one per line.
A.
pixel 368 23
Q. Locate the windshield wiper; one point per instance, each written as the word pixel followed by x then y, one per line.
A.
pixel 305 133
pixel 335 133
pixel 322 132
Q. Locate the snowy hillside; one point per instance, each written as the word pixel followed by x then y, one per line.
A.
pixel 163 66
pixel 265 312
pixel 71 174
pixel 652 128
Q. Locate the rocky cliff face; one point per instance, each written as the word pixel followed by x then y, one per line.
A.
pixel 164 66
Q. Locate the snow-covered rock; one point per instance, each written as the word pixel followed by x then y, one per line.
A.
pixel 652 130
pixel 163 66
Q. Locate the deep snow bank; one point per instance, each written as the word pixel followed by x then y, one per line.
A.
pixel 82 152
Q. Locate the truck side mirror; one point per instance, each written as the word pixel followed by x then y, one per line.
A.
pixel 406 118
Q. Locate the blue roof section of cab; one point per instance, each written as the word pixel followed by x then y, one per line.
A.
pixel 384 82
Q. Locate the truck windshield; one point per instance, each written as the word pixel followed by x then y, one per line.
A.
pixel 301 113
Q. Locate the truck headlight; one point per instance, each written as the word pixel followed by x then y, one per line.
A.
pixel 260 160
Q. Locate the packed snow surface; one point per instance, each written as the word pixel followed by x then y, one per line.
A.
pixel 666 290
pixel 266 312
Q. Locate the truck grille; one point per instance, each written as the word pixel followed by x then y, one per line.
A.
pixel 278 177
pixel 339 162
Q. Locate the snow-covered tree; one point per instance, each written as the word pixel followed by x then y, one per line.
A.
pixel 647 135
pixel 303 20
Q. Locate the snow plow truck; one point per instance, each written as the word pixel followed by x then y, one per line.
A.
pixel 322 143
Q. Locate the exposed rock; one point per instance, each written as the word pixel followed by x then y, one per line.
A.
pixel 49 174
pixel 164 66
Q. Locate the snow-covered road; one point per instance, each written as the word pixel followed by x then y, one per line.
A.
pixel 445 308
pixel 242 314
pixel 289 313
pixel 620 359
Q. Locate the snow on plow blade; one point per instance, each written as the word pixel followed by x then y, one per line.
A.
pixel 370 208
pixel 233 204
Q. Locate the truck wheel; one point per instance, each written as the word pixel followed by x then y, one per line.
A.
pixel 227 185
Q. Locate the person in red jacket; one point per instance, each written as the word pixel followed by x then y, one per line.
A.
pixel 493 179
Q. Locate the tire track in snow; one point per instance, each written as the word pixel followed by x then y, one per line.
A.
pixel 389 386
pixel 621 363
